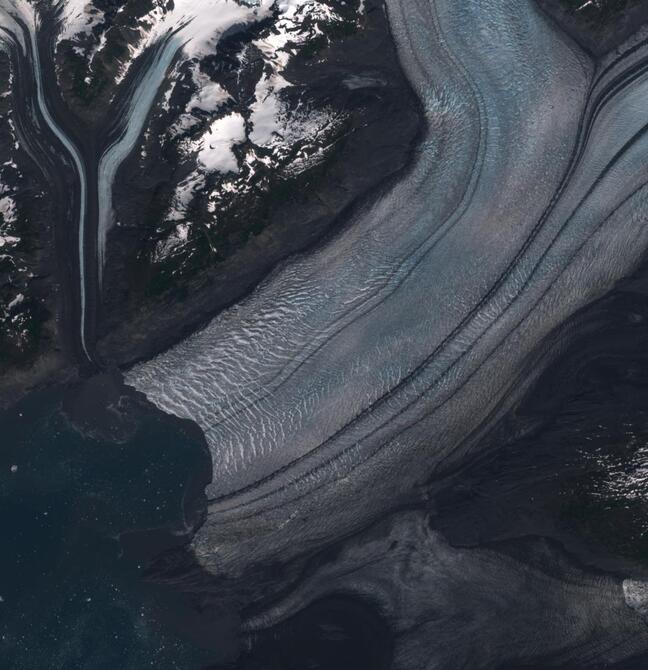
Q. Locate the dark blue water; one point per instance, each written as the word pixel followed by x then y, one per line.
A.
pixel 70 580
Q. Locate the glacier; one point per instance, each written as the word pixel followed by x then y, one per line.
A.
pixel 360 370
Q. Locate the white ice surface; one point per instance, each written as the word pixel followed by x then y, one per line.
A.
pixel 217 144
pixel 78 18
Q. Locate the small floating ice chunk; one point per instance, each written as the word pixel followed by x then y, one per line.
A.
pixel 8 240
pixel 357 81
pixel 16 301
pixel 8 209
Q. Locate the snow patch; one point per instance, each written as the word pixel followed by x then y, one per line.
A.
pixel 210 95
pixel 18 300
pixel 223 134
pixel 266 110
pixel 183 196
pixel 78 18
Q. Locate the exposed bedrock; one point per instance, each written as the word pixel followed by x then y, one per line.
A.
pixel 358 371
pixel 600 25
pixel 130 98
pixel 39 320
pixel 192 241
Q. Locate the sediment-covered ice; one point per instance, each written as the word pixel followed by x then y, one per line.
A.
pixel 545 610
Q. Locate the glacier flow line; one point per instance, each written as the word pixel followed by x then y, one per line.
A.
pixel 83 186
pixel 22 20
pixel 138 109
